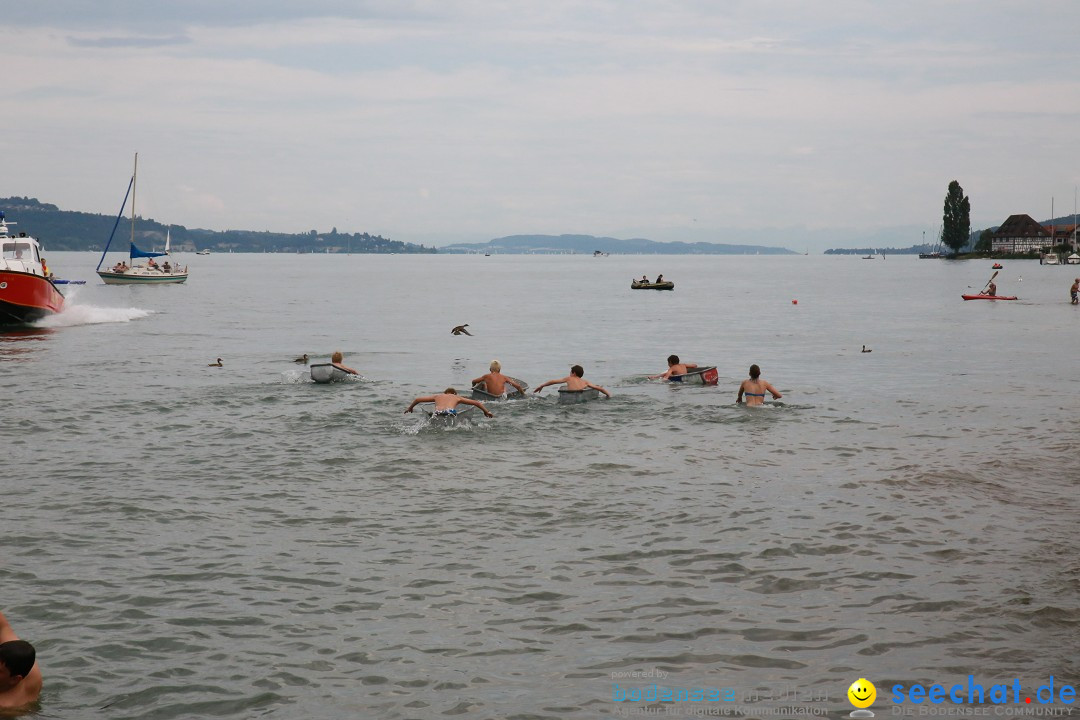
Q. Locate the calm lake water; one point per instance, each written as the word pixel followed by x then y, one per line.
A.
pixel 185 541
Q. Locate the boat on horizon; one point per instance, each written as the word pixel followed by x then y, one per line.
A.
pixel 27 292
pixel 204 251
pixel 149 273
pixel 935 252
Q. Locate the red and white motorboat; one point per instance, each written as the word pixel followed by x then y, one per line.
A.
pixel 27 293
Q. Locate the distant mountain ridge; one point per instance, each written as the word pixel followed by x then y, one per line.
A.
pixel 553 244
pixel 69 230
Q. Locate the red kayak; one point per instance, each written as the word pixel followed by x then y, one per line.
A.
pixel 988 297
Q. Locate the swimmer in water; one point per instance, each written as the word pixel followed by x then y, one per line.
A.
pixel 494 383
pixel 675 369
pixel 755 388
pixel 575 381
pixel 446 403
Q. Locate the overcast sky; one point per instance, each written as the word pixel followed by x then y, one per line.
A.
pixel 781 122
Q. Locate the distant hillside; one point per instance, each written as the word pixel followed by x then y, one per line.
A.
pixel 66 230
pixel 913 250
pixel 587 244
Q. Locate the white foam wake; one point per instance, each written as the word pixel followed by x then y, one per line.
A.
pixel 73 315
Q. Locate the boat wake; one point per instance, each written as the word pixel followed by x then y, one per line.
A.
pixel 73 315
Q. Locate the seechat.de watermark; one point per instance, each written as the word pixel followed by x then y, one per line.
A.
pixel 977 692
pixel 972 698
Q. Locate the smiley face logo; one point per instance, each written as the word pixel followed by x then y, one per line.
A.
pixel 862 693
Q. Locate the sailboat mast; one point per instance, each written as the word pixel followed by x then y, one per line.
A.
pixel 134 174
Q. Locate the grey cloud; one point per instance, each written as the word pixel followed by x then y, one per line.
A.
pixel 129 42
pixel 173 17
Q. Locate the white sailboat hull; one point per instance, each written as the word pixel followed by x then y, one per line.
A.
pixel 142 276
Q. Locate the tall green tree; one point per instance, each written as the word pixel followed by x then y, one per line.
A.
pixel 956 218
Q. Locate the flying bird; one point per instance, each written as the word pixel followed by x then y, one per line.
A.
pixel 460 330
pixel 216 364
pixel 303 359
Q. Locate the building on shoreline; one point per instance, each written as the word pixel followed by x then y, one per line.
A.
pixel 1019 234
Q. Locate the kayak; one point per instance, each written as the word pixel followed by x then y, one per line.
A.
pixel 988 297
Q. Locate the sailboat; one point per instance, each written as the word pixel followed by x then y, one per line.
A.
pixel 1073 259
pixel 149 273
pixel 935 252
pixel 1051 258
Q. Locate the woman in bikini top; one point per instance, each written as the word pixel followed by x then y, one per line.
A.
pixel 755 388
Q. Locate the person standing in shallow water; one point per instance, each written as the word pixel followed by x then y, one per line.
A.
pixel 1073 290
pixel 20 677
pixel 755 389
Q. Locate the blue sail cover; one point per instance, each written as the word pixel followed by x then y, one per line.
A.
pixel 137 253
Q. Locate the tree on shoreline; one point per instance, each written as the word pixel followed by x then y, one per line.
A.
pixel 956 218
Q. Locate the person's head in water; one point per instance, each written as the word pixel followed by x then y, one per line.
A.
pixel 17 659
pixel 672 359
pixel 495 366
pixel 578 370
pixel 450 391
pixel 337 356
pixel 755 372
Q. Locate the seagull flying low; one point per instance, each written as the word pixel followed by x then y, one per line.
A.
pixel 460 330
pixel 216 364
